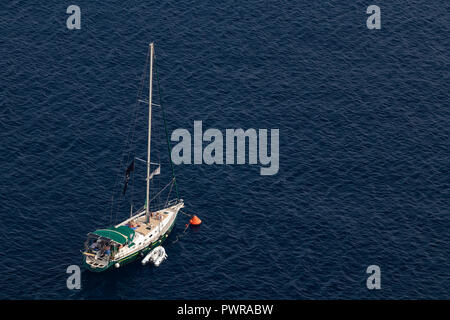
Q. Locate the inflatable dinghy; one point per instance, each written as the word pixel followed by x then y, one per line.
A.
pixel 157 256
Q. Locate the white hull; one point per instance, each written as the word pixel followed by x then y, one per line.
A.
pixel 147 232
pixel 144 236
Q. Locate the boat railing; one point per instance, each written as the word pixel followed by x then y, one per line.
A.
pixel 141 211
pixel 168 204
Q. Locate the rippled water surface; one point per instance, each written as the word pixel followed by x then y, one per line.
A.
pixel 364 146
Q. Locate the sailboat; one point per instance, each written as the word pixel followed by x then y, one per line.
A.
pixel 145 229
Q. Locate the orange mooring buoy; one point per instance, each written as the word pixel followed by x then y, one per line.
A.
pixel 195 221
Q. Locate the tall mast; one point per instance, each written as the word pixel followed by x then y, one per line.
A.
pixel 149 128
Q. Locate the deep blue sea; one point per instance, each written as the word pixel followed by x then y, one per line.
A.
pixel 364 124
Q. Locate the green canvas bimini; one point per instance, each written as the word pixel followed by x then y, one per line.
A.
pixel 121 235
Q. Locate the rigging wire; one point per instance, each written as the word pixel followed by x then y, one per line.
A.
pixel 166 131
pixel 127 140
pixel 171 181
pixel 168 195
pixel 130 141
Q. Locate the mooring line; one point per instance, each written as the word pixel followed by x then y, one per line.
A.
pixel 187 214
pixel 182 234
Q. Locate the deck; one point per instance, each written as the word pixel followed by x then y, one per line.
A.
pixel 145 228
